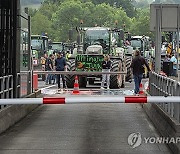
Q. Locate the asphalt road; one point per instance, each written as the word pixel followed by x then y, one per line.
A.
pixel 81 129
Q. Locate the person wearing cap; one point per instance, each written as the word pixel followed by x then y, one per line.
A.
pixel 60 64
pixel 137 66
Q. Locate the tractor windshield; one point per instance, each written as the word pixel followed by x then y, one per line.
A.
pixel 97 36
pixel 58 47
pixel 36 44
pixel 136 43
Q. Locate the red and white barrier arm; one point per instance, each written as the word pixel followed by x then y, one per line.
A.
pixel 91 99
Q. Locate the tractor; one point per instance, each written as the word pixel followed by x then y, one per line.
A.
pixel 142 43
pixel 93 44
pixel 39 46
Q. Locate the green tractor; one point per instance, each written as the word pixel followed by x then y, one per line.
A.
pixel 93 44
pixel 39 46
pixel 143 44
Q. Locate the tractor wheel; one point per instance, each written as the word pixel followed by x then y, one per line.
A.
pixel 128 64
pixel 82 82
pixel 114 83
pixel 70 78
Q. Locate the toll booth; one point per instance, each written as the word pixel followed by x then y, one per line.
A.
pixel 14 50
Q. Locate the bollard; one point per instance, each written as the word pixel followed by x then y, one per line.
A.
pixel 35 81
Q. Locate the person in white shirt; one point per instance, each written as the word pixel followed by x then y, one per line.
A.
pixel 106 66
pixel 174 60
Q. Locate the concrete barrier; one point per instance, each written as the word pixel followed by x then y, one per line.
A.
pixel 14 113
pixel 166 126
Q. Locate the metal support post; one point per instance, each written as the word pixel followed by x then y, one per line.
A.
pixel 178 31
pixel 158 41
pixel 30 75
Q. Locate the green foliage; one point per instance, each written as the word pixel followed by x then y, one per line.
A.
pixel 41 24
pixel 32 12
pixel 125 4
pixel 141 23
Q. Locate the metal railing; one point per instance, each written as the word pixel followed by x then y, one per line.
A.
pixel 75 72
pixel 163 86
pixel 6 87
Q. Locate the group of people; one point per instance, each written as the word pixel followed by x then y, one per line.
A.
pixel 59 64
pixel 172 58
pixel 55 63
pixel 137 67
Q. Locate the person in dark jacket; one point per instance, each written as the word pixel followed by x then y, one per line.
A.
pixel 49 67
pixel 60 64
pixel 137 66
pixel 106 66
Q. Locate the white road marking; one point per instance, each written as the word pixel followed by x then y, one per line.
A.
pixel 48 87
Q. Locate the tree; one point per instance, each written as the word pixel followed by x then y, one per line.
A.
pixel 102 15
pixel 141 23
pixel 68 16
pixel 41 24
pixel 48 9
pixel 125 4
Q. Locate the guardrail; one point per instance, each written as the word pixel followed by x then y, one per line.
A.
pixel 6 88
pixel 163 86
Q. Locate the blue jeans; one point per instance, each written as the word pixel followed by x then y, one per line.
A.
pixel 63 80
pixel 137 81
pixel 48 79
pixel 105 77
pixel 53 77
pixel 174 73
